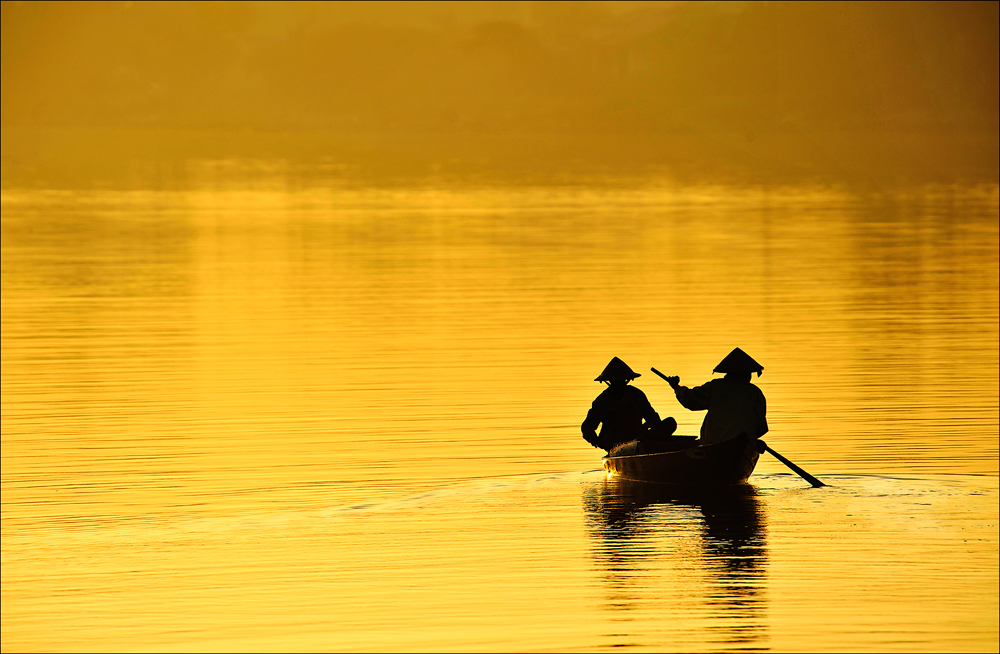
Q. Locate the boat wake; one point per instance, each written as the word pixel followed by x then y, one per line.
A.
pixel 480 486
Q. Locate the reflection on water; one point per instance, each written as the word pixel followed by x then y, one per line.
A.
pixel 635 527
pixel 197 384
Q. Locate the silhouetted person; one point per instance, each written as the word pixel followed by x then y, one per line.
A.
pixel 622 411
pixel 734 404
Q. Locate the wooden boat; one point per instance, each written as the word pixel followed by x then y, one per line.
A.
pixel 678 461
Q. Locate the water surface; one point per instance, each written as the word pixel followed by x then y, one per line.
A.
pixel 281 417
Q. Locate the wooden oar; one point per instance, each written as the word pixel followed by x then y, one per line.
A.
pixel 660 374
pixel 763 447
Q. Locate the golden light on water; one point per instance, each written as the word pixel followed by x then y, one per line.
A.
pixel 302 304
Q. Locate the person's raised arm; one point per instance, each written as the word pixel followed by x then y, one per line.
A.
pixel 692 399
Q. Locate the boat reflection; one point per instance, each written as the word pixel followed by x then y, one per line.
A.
pixel 687 556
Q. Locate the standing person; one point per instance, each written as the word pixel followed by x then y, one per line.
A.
pixel 735 406
pixel 622 411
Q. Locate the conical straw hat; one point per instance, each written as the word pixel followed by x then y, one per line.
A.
pixel 739 361
pixel 617 369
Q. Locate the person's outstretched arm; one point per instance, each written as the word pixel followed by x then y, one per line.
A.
pixel 693 399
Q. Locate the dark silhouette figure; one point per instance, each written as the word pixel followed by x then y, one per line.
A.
pixel 734 405
pixel 622 411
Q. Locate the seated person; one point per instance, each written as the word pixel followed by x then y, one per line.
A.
pixel 622 411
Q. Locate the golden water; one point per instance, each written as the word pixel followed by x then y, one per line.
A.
pixel 280 417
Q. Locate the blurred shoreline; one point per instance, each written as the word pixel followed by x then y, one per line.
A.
pixel 871 95
pixel 124 158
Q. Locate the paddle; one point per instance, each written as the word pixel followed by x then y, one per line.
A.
pixel 763 447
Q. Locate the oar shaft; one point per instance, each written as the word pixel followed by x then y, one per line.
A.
pixel 799 471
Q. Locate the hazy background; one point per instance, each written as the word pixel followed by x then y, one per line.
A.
pixel 302 306
pixel 864 93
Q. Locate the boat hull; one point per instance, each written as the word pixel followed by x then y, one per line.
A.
pixel 720 464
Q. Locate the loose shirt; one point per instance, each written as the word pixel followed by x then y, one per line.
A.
pixel 620 411
pixel 733 407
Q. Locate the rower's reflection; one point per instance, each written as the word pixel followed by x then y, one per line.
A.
pixel 677 554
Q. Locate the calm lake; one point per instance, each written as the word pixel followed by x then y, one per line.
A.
pixel 270 416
